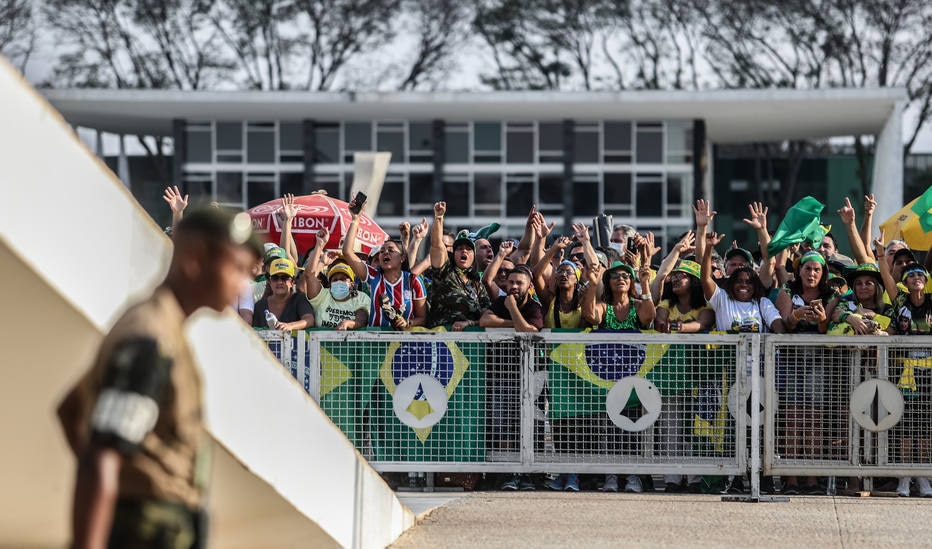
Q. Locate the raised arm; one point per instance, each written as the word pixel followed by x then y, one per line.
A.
pixel 438 252
pixel 846 213
pixel 869 205
pixel 349 243
pixel 889 283
pixel 285 216
pixel 708 285
pixel 313 265
pixel 704 215
pixel 592 310
pixel 522 251
pixel 666 266
pixel 541 231
pixel 645 307
pixel 418 233
pixel 176 203
pixel 491 272
pixel 581 232
pixel 542 270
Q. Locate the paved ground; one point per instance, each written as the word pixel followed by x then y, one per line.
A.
pixel 556 519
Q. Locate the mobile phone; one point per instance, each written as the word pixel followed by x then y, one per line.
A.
pixel 815 303
pixel 358 202
pixel 632 245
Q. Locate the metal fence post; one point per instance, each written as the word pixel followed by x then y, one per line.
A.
pixel 311 349
pixel 526 349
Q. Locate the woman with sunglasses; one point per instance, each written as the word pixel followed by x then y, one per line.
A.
pixel 290 307
pixel 618 309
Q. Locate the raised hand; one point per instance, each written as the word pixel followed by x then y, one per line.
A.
pixel 712 239
pixel 703 212
pixel 506 247
pixel 561 243
pixel 869 204
pixel 175 201
pixel 322 236
pixel 440 209
pixel 846 213
pixel 758 216
pixel 648 250
pixel 541 228
pixel 420 230
pixel 685 245
pixel 404 229
pixel 581 231
pixel 289 209
pixel 879 246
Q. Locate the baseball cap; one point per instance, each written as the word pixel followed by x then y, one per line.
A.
pixel 281 266
pixel 338 268
pixel 689 267
pixel 905 252
pixel 739 251
pixel 221 224
pixel 275 252
pixel 463 238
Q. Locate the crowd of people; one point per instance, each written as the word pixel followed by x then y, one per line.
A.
pixel 565 281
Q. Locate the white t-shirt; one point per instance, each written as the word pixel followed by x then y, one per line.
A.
pixel 329 312
pixel 246 300
pixel 742 316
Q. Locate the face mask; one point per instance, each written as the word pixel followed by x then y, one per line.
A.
pixel 339 289
pixel 618 247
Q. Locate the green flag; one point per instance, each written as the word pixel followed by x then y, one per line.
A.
pixel 922 207
pixel 800 224
pixel 348 372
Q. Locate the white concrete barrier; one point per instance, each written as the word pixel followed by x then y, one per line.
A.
pixel 75 250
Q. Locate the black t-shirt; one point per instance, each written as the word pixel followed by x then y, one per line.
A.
pixel 531 311
pixel 297 307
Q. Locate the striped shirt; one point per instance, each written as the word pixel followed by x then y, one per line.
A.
pixel 403 293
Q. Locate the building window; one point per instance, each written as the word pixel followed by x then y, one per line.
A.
pixel 487 194
pixel 357 137
pixel 550 142
pixel 420 142
pixel 230 142
pixel 487 142
pixel 392 201
pixel 260 188
pixel 291 142
pixel 519 191
pixel 679 194
pixel 456 194
pixel 586 143
pixel 617 145
pixel 198 186
pixel 456 143
pixel 422 189
pixel 679 142
pixel 327 143
pixel 586 195
pixel 199 142
pixel 390 137
pixel 291 182
pixel 260 142
pixel 230 188
pixel 519 143
pixel 649 143
pixel 617 193
pixel 648 192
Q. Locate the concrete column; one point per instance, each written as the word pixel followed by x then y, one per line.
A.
pixel 887 177
pixel 701 157
pixel 123 163
pixel 569 154
pixel 180 147
pixel 310 156
pixel 438 128
pixel 99 143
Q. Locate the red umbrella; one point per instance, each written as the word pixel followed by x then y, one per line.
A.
pixel 315 212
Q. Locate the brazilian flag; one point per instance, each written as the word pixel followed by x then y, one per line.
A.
pixel 348 373
pixel 580 376
pixel 460 433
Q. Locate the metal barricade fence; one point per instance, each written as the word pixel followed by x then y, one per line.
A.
pixel 848 405
pixel 500 401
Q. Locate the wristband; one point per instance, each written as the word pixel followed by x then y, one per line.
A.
pixel 438 217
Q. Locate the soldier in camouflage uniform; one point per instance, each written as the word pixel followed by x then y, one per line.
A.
pixel 134 421
pixel 458 296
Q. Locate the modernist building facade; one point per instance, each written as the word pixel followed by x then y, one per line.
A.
pixel 641 156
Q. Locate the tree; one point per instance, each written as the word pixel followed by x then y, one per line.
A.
pixel 17 31
pixel 440 26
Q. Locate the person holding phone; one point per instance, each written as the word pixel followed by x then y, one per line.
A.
pixel 399 299
pixel 806 305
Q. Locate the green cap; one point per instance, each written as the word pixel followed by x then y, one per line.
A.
pixel 688 267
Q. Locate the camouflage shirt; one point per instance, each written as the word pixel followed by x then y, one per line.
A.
pixel 453 299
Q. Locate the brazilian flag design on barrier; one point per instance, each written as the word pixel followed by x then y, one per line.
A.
pixel 580 376
pixel 348 373
pixel 460 434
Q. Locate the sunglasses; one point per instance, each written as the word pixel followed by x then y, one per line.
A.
pixel 616 276
pixel 566 272
pixel 580 256
pixel 280 278
pixel 504 272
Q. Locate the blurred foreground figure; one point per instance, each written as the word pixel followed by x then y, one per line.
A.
pixel 134 421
